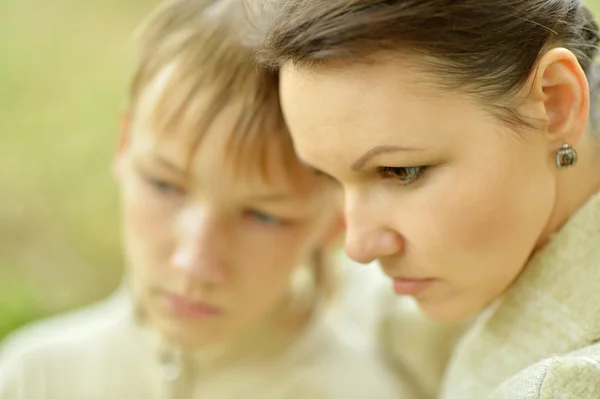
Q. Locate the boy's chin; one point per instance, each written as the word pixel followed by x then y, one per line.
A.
pixel 190 336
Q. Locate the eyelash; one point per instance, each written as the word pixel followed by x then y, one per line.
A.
pixel 163 186
pixel 411 174
pixel 265 218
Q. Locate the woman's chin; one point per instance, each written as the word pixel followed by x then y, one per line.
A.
pixel 449 311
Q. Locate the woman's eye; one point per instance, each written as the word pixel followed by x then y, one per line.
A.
pixel 265 218
pixel 406 175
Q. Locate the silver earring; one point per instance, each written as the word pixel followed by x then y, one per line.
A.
pixel 566 157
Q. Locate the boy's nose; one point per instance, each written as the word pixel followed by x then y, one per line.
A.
pixel 198 253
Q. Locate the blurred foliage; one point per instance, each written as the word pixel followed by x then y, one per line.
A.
pixel 64 67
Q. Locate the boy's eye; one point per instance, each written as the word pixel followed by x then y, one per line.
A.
pixel 163 186
pixel 406 175
pixel 264 218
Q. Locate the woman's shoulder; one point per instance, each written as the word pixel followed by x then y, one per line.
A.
pixel 573 375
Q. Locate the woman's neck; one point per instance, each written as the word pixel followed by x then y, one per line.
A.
pixel 575 186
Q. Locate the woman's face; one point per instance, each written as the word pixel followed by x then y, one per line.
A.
pixel 212 248
pixel 449 200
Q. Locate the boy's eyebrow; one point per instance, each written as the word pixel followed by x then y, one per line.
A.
pixel 164 162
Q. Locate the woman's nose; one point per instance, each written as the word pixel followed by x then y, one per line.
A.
pixel 365 246
pixel 367 235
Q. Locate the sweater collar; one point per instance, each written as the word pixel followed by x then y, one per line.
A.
pixel 552 308
pixel 266 339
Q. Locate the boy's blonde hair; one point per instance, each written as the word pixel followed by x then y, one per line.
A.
pixel 201 44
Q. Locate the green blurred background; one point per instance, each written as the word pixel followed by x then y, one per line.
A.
pixel 64 67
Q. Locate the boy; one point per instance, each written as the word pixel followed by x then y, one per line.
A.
pixel 225 233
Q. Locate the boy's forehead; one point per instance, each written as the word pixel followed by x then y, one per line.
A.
pixel 265 161
pixel 202 126
pixel 153 89
pixel 170 99
pixel 177 102
pixel 180 120
pixel 215 166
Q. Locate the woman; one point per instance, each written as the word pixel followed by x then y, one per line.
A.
pixel 459 132
pixel 225 235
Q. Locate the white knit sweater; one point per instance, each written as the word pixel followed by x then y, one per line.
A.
pixel 102 353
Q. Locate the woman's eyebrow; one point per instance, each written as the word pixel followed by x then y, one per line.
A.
pixel 373 152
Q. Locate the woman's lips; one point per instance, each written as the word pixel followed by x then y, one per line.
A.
pixel 411 286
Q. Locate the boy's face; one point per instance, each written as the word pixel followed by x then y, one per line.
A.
pixel 211 248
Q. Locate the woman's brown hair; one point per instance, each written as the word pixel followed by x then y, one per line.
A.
pixel 486 48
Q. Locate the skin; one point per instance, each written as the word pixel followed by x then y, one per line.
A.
pixel 212 253
pixel 437 188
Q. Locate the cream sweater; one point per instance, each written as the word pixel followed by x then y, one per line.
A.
pixel 415 347
pixel 103 353
pixel 541 340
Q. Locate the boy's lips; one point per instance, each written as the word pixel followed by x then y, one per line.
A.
pixel 188 308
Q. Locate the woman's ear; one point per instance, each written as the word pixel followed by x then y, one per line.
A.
pixel 561 86
pixel 122 144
